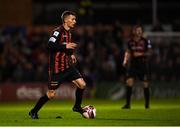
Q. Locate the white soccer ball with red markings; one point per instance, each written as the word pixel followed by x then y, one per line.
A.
pixel 90 112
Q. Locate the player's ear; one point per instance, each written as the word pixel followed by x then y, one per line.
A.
pixel 65 19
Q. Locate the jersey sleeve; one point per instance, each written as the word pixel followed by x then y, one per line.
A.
pixel 148 50
pixel 149 45
pixel 53 43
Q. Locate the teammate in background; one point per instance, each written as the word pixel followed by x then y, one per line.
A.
pixel 61 64
pixel 137 64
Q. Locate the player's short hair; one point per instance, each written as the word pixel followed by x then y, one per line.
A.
pixel 67 13
pixel 133 28
pixel 137 26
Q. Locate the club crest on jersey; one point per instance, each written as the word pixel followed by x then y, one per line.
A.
pixel 56 33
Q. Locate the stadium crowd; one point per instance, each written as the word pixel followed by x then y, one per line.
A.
pixel 24 54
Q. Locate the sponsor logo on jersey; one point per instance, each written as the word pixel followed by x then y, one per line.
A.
pixel 52 39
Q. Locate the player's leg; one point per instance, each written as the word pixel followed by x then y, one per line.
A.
pixel 76 78
pixel 129 84
pixel 144 76
pixel 131 74
pixel 44 99
pixel 146 94
pixel 80 83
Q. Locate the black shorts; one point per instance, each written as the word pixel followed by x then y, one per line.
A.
pixel 68 75
pixel 139 68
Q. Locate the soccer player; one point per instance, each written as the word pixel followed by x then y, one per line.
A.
pixel 137 64
pixel 61 64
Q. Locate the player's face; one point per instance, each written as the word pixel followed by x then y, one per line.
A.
pixel 71 21
pixel 138 31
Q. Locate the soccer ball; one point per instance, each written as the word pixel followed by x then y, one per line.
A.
pixel 90 112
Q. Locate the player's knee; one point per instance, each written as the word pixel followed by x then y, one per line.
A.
pixel 51 94
pixel 130 82
pixel 82 85
pixel 145 84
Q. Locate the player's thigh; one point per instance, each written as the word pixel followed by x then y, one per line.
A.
pixel 75 76
pixel 55 81
pixel 79 83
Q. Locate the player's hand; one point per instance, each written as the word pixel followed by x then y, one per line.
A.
pixel 125 64
pixel 74 60
pixel 71 45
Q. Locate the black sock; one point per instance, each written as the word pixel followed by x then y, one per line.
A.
pixel 128 94
pixel 146 96
pixel 40 103
pixel 79 95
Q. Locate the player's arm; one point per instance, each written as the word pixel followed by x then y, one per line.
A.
pixel 74 59
pixel 149 49
pixel 127 54
pixel 54 44
pixel 126 58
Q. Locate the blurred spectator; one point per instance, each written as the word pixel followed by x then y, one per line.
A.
pixel 85 11
pixel 176 25
pixel 157 27
pixel 23 57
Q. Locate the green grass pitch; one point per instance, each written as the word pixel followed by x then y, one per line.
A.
pixel 163 112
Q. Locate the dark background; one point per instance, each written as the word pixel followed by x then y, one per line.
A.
pixel 102 31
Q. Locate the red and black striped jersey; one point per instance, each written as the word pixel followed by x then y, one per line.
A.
pixel 59 56
pixel 141 46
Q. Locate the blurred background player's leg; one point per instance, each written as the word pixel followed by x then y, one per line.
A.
pixel 129 82
pixel 146 94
